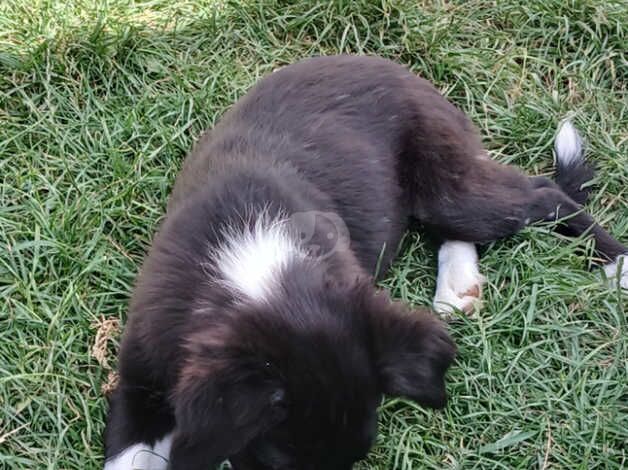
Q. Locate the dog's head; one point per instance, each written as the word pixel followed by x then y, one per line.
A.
pixel 294 382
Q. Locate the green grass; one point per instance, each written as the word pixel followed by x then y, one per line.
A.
pixel 100 101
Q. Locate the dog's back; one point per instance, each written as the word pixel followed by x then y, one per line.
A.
pixel 349 127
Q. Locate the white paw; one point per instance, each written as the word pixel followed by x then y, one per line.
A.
pixel 617 271
pixel 142 456
pixel 459 282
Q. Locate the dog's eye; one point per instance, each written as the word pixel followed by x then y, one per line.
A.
pixel 278 397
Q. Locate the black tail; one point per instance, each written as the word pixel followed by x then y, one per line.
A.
pixel 572 170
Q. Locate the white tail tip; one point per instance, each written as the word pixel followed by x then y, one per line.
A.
pixel 568 144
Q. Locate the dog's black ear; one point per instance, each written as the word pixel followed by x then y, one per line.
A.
pixel 220 407
pixel 412 351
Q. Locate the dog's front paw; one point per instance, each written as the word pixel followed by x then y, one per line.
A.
pixel 459 282
pixel 617 271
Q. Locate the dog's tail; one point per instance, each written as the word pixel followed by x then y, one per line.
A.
pixel 572 170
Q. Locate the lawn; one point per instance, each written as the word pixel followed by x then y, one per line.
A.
pixel 101 100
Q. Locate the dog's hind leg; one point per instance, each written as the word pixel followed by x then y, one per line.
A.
pixel 487 201
pixel 459 282
pixel 572 175
pixel 550 204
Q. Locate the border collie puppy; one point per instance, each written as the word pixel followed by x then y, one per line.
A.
pixel 255 333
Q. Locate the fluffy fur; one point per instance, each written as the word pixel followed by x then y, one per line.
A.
pixel 251 342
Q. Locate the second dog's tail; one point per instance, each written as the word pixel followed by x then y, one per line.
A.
pixel 572 170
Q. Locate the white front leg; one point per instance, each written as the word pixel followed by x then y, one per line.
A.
pixel 142 456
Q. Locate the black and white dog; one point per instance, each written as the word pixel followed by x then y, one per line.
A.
pixel 255 333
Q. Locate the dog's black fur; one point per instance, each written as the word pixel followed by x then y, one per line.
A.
pixel 294 382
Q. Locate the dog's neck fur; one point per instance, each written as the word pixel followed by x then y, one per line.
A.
pixel 254 255
pixel 257 216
